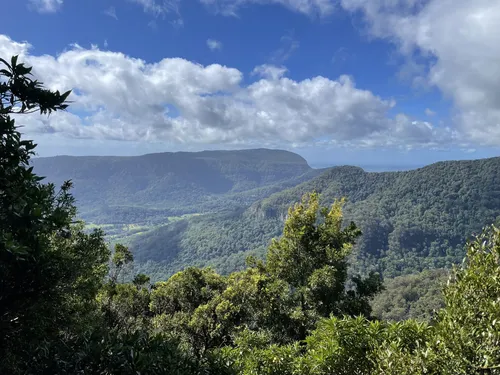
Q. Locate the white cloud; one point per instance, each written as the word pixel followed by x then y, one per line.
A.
pixel 159 7
pixel 269 71
pixel 341 55
pixel 429 112
pixel 178 23
pixel 162 9
pixel 309 7
pixel 9 47
pixel 455 45
pixel 111 11
pixel 214 44
pixel 46 6
pixel 288 45
pixel 117 97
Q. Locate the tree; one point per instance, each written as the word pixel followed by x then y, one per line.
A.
pixel 466 335
pixel 122 257
pixel 311 257
pixel 183 308
pixel 50 269
pixel 416 296
pixel 256 301
pixel 469 325
pixel 141 280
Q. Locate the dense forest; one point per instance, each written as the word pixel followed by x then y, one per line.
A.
pixel 411 220
pixel 215 208
pixel 65 307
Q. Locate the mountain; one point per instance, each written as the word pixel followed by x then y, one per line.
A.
pixel 130 189
pixel 217 207
pixel 411 220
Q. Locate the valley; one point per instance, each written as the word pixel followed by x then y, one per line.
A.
pixel 216 208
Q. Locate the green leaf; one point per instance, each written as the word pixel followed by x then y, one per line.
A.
pixel 5 62
pixel 22 70
pixel 5 72
pixel 65 95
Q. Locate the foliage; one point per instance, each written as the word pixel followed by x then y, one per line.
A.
pixel 50 269
pixel 108 352
pixel 122 257
pixel 469 330
pixel 221 240
pixel 411 221
pixel 311 257
pixel 55 309
pixel 415 296
pixel 466 335
pixel 344 346
pixel 208 311
pixel 464 338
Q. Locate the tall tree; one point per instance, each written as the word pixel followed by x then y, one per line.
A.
pixel 311 257
pixel 49 268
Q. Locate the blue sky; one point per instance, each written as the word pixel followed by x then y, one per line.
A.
pixel 369 82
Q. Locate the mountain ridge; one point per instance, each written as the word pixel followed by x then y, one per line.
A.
pixel 411 220
pixel 180 181
pixel 216 207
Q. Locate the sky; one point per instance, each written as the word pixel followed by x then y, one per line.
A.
pixel 364 82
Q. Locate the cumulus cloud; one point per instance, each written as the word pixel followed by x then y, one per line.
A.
pixel 117 97
pixel 455 45
pixel 46 6
pixel 455 51
pixel 214 44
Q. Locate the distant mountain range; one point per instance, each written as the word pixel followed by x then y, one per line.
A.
pixel 178 183
pixel 217 207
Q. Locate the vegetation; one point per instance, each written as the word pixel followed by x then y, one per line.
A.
pixel 65 308
pixel 415 296
pixel 50 269
pixel 411 221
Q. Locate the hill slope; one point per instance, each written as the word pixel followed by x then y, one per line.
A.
pixel 182 182
pixel 410 220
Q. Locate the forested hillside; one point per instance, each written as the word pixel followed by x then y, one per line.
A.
pixel 416 296
pixel 132 189
pixel 411 220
